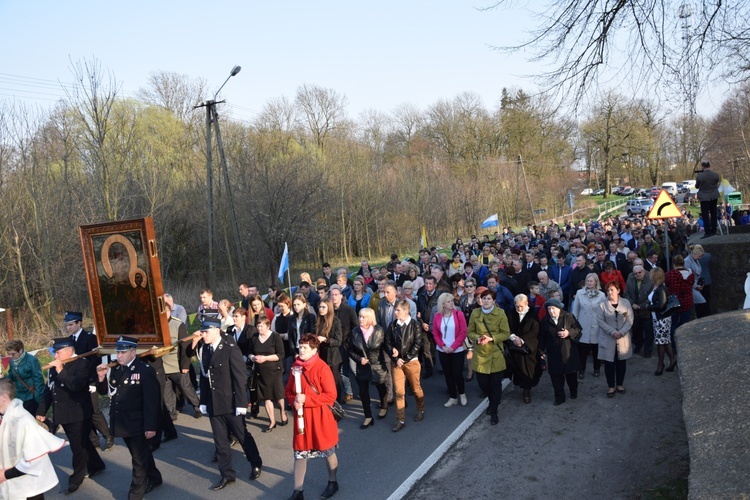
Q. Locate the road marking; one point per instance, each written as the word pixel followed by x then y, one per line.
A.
pixel 441 450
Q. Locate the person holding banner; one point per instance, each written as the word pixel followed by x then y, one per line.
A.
pixel 319 435
pixel 69 397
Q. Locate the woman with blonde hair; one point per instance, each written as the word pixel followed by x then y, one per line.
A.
pixel 365 350
pixel 449 330
pixel 697 262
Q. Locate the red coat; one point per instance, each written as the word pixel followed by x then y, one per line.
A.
pixel 682 287
pixel 613 275
pixel 321 429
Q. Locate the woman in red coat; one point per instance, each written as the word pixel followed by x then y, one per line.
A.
pixel 321 432
pixel 611 274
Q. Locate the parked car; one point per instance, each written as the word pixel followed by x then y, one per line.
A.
pixel 628 191
pixel 639 206
pixel 641 193
pixel 654 192
pixel 587 192
pixel 598 192
pixel 670 187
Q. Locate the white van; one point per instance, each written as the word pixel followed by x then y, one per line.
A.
pixel 670 187
pixel 689 183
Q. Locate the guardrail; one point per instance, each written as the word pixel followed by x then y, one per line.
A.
pixel 610 206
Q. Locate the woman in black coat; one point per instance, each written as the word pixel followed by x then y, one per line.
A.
pixel 328 331
pixel 558 334
pixel 302 321
pixel 524 331
pixel 365 344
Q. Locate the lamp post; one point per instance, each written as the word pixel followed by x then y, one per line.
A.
pixel 210 106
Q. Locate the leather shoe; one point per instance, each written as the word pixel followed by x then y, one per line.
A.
pixel 419 416
pixel 197 413
pixel 255 473
pixel 110 443
pixel 331 489
pixel 382 413
pixel 558 402
pixel 398 426
pixel 167 439
pixel 71 489
pixel 221 484
pixel 494 420
pixel 151 486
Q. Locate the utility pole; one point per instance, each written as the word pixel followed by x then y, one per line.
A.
pixel 518 184
pixel 210 192
pixel 211 116
pixel 230 199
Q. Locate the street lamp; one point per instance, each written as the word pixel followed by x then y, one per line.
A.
pixel 210 106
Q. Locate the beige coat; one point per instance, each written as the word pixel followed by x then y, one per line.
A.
pixel 609 323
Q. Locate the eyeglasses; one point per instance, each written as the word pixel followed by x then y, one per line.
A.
pixel 470 286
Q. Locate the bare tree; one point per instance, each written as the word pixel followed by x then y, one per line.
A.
pixel 321 111
pixel 580 38
pixel 174 92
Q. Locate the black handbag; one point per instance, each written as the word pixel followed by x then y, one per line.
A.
pixel 514 349
pixel 672 306
pixel 336 409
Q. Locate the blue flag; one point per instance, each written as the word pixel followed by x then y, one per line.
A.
pixel 284 265
pixel 490 221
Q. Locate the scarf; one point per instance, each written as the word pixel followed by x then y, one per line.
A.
pixel 367 332
pixel 306 364
pixel 522 314
pixel 16 362
pixel 591 293
pixel 487 311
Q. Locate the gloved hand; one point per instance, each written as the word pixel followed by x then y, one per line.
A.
pixel 240 411
pixel 203 409
pixel 92 389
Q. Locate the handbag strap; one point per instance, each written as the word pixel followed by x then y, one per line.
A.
pixel 309 383
pixel 18 376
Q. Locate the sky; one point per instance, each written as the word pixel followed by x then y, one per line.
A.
pixel 378 54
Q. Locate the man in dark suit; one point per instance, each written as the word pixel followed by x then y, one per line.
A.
pixel 426 305
pixel 384 316
pixel 87 342
pixel 69 397
pixel 398 276
pixel 134 411
pixel 619 259
pixel 224 398
pixel 349 321
pixel 242 333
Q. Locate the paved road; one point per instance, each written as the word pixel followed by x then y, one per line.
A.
pixel 590 447
pixel 373 462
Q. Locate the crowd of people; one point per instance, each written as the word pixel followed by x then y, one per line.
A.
pixel 510 304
